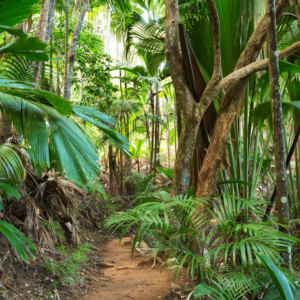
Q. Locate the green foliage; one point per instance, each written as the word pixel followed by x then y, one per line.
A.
pixel 13 12
pixel 24 45
pixel 228 286
pixel 230 239
pixel 17 239
pixel 68 270
pixel 278 278
pixel 98 88
pixel 143 184
pixel 55 229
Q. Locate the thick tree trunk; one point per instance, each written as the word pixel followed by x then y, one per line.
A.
pixel 43 30
pixel 71 55
pixel 229 105
pixel 66 47
pixel 185 100
pixel 277 118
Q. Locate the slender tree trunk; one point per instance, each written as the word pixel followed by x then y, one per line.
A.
pixel 121 158
pixel 51 64
pixel 108 31
pixel 128 161
pixel 168 132
pixel 277 118
pixel 71 55
pixel 156 148
pixel 152 131
pixel 175 120
pixel 43 30
pixel 57 74
pixel 66 48
pixel 229 105
pixel 111 170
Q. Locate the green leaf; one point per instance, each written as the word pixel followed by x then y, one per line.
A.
pixel 13 12
pixel 17 239
pixel 277 276
pixel 24 45
pixel 10 190
pixel 203 290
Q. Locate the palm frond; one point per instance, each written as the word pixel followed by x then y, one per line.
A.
pixel 13 12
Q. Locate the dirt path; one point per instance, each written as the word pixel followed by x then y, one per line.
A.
pixel 135 281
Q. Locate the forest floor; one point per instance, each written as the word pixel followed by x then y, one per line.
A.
pixel 111 273
pixel 134 277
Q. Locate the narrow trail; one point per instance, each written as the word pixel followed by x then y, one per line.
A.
pixel 130 278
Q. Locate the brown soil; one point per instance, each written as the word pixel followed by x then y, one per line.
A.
pixel 132 278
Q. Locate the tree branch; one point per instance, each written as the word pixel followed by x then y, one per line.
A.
pixel 242 73
pixel 289 15
pixel 217 45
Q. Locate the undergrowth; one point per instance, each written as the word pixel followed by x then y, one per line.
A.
pixel 68 270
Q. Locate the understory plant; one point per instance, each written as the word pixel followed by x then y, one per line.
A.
pixel 217 240
pixel 68 270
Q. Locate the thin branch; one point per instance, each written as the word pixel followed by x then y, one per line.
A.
pixel 10 288
pixel 214 91
pixel 289 15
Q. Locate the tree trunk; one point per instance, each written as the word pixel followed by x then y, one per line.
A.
pixel 152 131
pixel 51 65
pixel 168 132
pixel 156 147
pixel 277 118
pixel 112 170
pixel 179 121
pixel 185 100
pixel 121 156
pixel 71 55
pixel 43 31
pixel 66 48
pixel 175 120
pixel 108 31
pixel 229 105
pixel 57 74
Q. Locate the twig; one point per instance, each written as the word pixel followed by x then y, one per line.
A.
pixel 54 252
pixel 10 288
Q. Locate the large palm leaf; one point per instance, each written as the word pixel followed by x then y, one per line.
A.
pixel 13 12
pixel 39 115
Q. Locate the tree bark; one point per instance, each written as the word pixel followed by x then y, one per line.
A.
pixel 112 170
pixel 152 131
pixel 185 100
pixel 178 120
pixel 43 31
pixel 66 48
pixel 156 148
pixel 229 105
pixel 277 118
pixel 71 55
pixel 57 74
pixel 108 31
pixel 51 64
